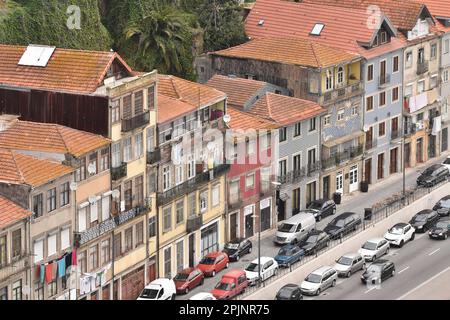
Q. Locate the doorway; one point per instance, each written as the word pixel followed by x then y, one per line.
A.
pixel 353 176
pixel 368 171
pixel 191 250
pixel 393 161
pixel 419 150
pixel 380 166
pixel 444 144
pixel 407 159
pixel 310 193
pixel 233 226
pixel 326 187
pixel 340 182
pixel 431 146
pixel 281 207
pixel 249 225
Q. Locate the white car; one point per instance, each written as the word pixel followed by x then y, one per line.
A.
pixel 269 268
pixel 203 296
pixel 318 281
pixel 374 248
pixel 446 163
pixel 399 234
pixel 159 289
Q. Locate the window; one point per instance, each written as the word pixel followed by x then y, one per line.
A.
pixel 408 90
pixel 139 146
pixel 80 173
pixel 376 40
pixel 151 98
pixel 38 250
pixel 283 134
pixel 167 219
pixel 64 195
pixel 317 29
pixel 65 238
pixel 115 111
pixel 192 204
pixel 204 201
pixel 93 257
pixel 420 86
pixel 297 129
pixel 3 251
pixel 128 195
pixel 370 72
pixel 340 75
pixel 433 82
pixel 381 129
pixel 127 112
pixel 166 178
pixel 326 120
pixel 369 103
pixel 127 150
pixel 282 167
pixel 421 55
pixel 179 212
pixel 17 290
pixel 408 59
pixel 433 53
pixel 215 195
pixel 138 102
pixel 4 294
pixel 395 94
pixel 180 256
pixel 329 80
pixel 38 205
pixel 383 37
pixel 129 239
pixel 167 263
pixel 382 99
pixel 446 46
pixel 16 244
pixel 250 181
pixel 191 167
pixel 92 166
pixel 139 190
pixel 340 115
pixel 395 64
pixel 51 200
pixel 445 76
pixel 354 111
pixel 152 227
pixel 51 245
pixel 296 200
pixel 105 253
pixel 297 162
pixel 312 124
pixel 117 245
pixel 179 174
pixel 81 219
pixel 82 261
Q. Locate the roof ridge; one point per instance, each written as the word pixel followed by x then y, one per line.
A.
pixel 269 106
pixel 17 166
pixel 313 50
pixel 58 127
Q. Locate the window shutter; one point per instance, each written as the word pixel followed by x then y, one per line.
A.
pixel 51 245
pixel 65 239
pixel 82 220
pixel 38 250
pixel 94 211
pixel 106 208
pixel 215 196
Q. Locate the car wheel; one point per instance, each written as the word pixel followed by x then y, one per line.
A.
pixel 275 272
pixel 413 236
pixel 318 292
pixel 328 244
pixel 186 291
pixel 250 250
pixel 294 241
pixel 348 274
pixel 333 284
pixel 401 244
pixel 173 297
pixel 334 211
pixel 213 273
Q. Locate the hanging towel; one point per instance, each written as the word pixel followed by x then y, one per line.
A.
pixel 62 268
pixel 48 272
pixel 54 269
pixel 92 278
pixel 74 257
pixel 68 259
pixel 42 273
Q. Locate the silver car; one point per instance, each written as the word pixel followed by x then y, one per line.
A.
pixel 374 248
pixel 318 281
pixel 348 264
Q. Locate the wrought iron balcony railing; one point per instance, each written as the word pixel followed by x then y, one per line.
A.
pixel 136 121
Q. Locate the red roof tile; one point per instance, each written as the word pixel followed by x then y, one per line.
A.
pixel 245 120
pixel 11 213
pixel 170 108
pixel 285 110
pixel 67 70
pixel 46 137
pixel 438 8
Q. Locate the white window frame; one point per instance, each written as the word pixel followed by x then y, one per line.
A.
pixel 215 195
pixel 52 244
pixel 398 64
pixel 340 115
pixel 418 86
pixel 252 185
pixel 65 238
pixel 38 252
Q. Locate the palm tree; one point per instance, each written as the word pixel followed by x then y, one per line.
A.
pixel 165 31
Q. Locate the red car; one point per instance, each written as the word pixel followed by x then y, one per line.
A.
pixel 213 262
pixel 231 284
pixel 188 279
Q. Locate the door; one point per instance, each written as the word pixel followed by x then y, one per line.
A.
pixel 281 207
pixel 431 146
pixel 340 182
pixel 444 139
pixel 132 284
pixel 353 175
pixel 394 127
pixel 419 150
pixel 248 225
pixel 368 170
pixel 380 166
pixel 383 72
pixel 233 226
pixel 310 193
pixel 369 138
pixel 106 292
pixel 151 271
pixel 191 250
pixel 393 161
pixel 407 155
pixel 326 187
pixel 265 218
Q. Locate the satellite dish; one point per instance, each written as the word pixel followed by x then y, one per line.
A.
pixel 26 289
pixel 92 199
pixel 226 118
pixel 91 168
pixel 115 194
pixel 73 186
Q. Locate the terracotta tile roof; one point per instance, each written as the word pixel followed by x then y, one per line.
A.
pixel 17 168
pixel 67 70
pixel 170 108
pixel 195 94
pixel 290 51
pixel 245 120
pixel 238 90
pixel 11 213
pixel 285 110
pixel 47 137
pixel 438 8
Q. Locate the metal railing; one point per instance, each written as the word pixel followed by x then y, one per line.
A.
pixel 153 156
pixel 422 67
pixel 119 172
pixel 136 121
pixel 341 157
pixel 384 80
pixel 341 92
pixel 380 211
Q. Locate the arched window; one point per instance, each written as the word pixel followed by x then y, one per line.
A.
pixel 329 80
pixel 340 75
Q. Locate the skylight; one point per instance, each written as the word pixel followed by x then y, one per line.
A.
pixel 36 56
pixel 261 22
pixel 318 27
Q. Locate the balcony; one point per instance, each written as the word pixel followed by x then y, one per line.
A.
pixel 297 175
pixel 153 156
pixel 384 80
pixel 422 67
pixel 194 223
pixel 370 144
pixel 136 121
pixel 341 157
pixel 119 172
pixel 341 93
pixel 108 225
pixel 17 265
pixel 234 202
pixel 395 134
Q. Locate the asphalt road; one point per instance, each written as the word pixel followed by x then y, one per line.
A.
pixel 355 203
pixel 422 268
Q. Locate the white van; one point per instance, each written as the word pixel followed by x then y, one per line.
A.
pixel 295 229
pixel 159 289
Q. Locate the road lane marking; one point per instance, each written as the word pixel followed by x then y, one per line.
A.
pixel 423 283
pixel 431 253
pixel 403 270
pixel 370 289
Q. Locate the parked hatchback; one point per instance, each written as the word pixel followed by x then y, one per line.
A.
pixel 289 292
pixel 315 241
pixel 424 220
pixel 440 230
pixel 322 208
pixel 399 234
pixel 236 248
pixel 269 268
pixel 232 283
pixel 288 255
pixel 348 264
pixel 378 271
pixel 188 279
pixel 433 175
pixel 442 207
pixel 374 248
pixel 318 281
pixel 213 262
pixel 343 224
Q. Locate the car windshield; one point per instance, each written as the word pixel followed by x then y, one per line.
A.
pixel 181 277
pixel 346 261
pixel 232 246
pixel 286 227
pixel 312 239
pixel 428 171
pixel 396 230
pixel 374 268
pixel 207 260
pixel 442 224
pixel 420 217
pixel 338 223
pixel 447 161
pixel 252 267
pixel 444 203
pixel 223 286
pixel 315 205
pixel 285 293
pixel 284 252
pixel 149 293
pixel 314 278
pixel 369 245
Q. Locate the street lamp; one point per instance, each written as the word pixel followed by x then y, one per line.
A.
pixel 259 247
pixel 402 143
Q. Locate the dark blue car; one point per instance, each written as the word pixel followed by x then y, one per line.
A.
pixel 288 255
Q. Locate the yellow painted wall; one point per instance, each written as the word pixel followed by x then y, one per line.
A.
pixel 93 186
pixel 132 258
